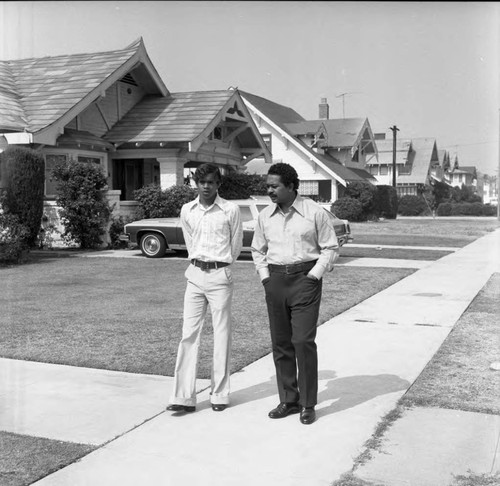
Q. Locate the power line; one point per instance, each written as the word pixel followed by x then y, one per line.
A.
pixel 467 144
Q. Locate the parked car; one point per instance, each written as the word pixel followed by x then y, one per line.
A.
pixel 155 236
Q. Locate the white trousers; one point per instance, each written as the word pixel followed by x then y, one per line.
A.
pixel 214 288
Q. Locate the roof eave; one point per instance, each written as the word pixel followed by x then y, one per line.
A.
pixel 294 141
pixel 50 133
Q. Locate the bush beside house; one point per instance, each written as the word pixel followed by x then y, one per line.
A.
pixel 364 201
pixel 24 172
pixel 85 212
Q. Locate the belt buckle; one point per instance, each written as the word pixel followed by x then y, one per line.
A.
pixel 204 266
pixel 286 269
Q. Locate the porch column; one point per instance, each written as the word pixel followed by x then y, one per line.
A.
pixel 171 171
pixel 335 191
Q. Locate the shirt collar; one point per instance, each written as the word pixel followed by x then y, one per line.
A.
pixel 298 205
pixel 218 201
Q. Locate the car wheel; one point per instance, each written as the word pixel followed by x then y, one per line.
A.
pixel 153 245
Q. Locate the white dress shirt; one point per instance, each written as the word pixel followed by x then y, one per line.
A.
pixel 213 234
pixel 304 233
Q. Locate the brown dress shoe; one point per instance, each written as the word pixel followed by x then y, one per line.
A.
pixel 180 408
pixel 283 410
pixel 307 415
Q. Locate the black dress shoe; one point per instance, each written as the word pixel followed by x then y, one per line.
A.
pixel 219 407
pixel 307 415
pixel 283 410
pixel 181 408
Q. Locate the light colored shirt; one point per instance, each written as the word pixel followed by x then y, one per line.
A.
pixel 304 233
pixel 213 234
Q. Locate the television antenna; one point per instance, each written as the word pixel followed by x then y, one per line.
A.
pixel 343 95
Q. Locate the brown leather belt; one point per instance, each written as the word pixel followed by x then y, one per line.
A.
pixel 292 268
pixel 208 265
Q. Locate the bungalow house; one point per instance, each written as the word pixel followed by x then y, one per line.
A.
pixel 463 176
pixel 327 154
pixel 416 162
pixel 113 109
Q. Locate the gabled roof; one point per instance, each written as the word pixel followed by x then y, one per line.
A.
pixel 423 151
pixel 41 92
pixel 280 114
pixel 280 117
pixel 178 117
pixel 186 118
pixel 341 133
pixel 385 149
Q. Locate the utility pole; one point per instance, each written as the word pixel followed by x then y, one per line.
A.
pixel 394 130
pixel 498 178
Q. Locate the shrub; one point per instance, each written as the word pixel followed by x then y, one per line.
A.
pixel 364 192
pixel 24 188
pixel 348 208
pixel 116 228
pixel 157 203
pixel 85 211
pixel 489 210
pixel 385 204
pixel 412 206
pixel 13 238
pixel 444 209
pixel 239 185
pixel 467 209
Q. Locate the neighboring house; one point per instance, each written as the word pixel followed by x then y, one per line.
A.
pixel 463 176
pixel 417 163
pixel 113 109
pixel 308 146
pixel 488 188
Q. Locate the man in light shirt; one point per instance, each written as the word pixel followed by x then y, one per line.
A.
pixel 213 234
pixel 293 246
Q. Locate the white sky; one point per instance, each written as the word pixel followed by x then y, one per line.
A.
pixel 431 68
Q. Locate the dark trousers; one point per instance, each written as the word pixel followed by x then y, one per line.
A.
pixel 293 303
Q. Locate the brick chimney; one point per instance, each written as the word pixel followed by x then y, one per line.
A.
pixel 324 110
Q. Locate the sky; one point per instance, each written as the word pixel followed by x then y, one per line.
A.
pixel 430 68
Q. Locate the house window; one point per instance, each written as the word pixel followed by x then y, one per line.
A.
pixel 50 183
pixel 373 169
pixel 309 188
pixel 90 160
pixel 384 169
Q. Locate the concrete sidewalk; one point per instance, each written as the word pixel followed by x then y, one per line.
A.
pixel 368 357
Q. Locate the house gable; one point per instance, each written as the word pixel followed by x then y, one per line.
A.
pixel 53 91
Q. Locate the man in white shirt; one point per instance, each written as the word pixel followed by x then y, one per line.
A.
pixel 213 234
pixel 294 244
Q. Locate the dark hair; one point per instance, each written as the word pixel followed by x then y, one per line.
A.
pixel 287 173
pixel 205 169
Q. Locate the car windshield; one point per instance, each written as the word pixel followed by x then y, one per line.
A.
pixel 246 214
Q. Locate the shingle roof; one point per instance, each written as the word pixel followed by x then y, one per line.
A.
pixel 280 114
pixel 342 132
pixel 421 154
pixel 346 173
pixel 37 92
pixel 385 148
pixel 178 117
pixel 288 119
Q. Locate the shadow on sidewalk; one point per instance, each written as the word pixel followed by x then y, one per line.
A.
pixel 343 393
